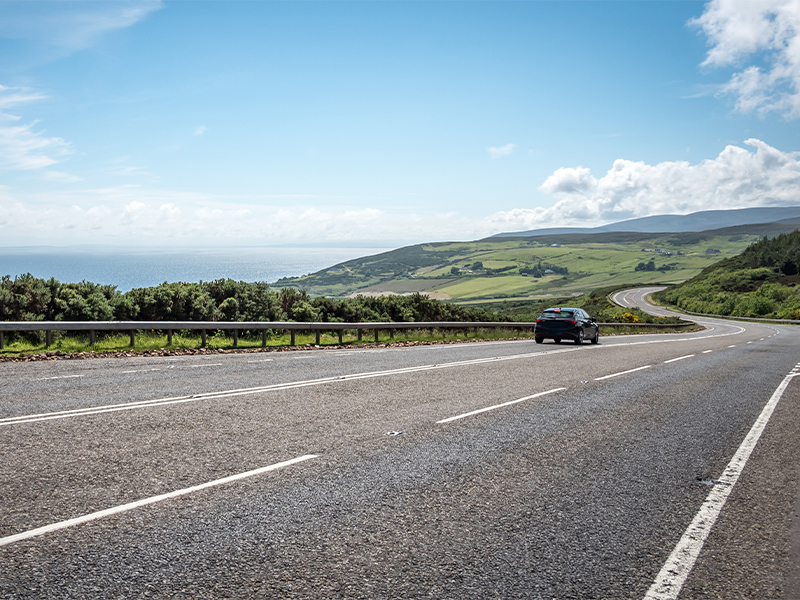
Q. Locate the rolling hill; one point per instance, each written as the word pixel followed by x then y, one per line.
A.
pixel 538 265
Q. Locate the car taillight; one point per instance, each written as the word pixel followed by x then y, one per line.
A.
pixel 574 322
pixel 538 320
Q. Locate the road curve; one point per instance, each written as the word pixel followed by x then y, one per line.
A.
pixel 502 469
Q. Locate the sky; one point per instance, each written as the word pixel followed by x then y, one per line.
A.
pixel 148 123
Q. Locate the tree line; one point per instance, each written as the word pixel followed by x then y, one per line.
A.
pixel 28 298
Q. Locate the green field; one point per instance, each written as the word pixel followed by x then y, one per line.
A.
pixel 506 268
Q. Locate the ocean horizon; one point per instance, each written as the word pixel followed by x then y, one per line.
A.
pixel 128 269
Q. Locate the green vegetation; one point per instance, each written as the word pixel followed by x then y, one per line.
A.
pixel 527 267
pixel 150 341
pixel 27 298
pixel 761 282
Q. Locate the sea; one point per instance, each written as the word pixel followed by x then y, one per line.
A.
pixel 128 269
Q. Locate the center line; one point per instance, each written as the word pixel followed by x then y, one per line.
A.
pixel 707 351
pixel 679 358
pixel 144 502
pixel 622 373
pixel 488 408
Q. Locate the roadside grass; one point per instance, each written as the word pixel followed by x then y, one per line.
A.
pixel 69 343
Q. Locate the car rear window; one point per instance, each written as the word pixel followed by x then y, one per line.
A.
pixel 557 314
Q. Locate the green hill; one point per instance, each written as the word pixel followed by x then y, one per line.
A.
pixel 522 267
pixel 763 281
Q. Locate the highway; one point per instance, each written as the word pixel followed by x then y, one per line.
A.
pixel 475 470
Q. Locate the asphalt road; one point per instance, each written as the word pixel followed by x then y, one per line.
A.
pixel 387 477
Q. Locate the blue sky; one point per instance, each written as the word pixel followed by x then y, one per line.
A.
pixel 153 123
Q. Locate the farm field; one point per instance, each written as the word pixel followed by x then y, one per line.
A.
pixel 515 268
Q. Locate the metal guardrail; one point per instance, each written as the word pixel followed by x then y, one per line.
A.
pixel 292 326
pixel 734 318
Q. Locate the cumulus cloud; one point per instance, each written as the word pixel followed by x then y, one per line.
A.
pixel 766 32
pixel 70 25
pixel 737 178
pixel 22 147
pixel 497 152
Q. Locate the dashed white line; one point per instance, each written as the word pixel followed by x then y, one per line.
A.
pixel 679 358
pixel 58 377
pixel 144 502
pixel 260 361
pixel 94 410
pixel 488 408
pixel 622 373
pixel 673 574
pixel 707 351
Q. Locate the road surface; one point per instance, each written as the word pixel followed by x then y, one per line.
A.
pixel 482 470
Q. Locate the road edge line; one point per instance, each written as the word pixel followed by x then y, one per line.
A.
pixel 673 574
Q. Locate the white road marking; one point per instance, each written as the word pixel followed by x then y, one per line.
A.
pixel 679 358
pixel 707 351
pixel 673 574
pixel 622 373
pixel 260 361
pixel 732 346
pixel 488 408
pixel 58 377
pixel 93 410
pixel 144 502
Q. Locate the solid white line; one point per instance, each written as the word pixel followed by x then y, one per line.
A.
pixel 94 410
pixel 679 358
pixel 144 502
pixel 622 373
pixel 673 574
pixel 488 408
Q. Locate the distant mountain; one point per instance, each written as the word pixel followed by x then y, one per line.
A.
pixel 699 221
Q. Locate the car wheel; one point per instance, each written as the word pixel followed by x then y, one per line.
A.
pixel 557 340
pixel 596 337
pixel 579 339
pixel 539 340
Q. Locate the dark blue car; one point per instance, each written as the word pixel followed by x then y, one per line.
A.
pixel 566 324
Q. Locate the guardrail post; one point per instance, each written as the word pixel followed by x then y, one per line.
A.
pixel 341 333
pixel 169 337
pixel 291 334
pixel 133 337
pixel 263 338
pixel 359 334
pixel 391 333
pixel 48 338
pixel 376 335
pixel 317 331
pixel 202 338
pixel 91 337
pixel 235 338
pixel 2 341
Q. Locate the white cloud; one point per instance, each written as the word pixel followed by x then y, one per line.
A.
pixel 766 31
pixel 497 152
pixel 737 178
pixel 21 147
pixel 60 177
pixel 131 214
pixel 200 130
pixel 70 25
